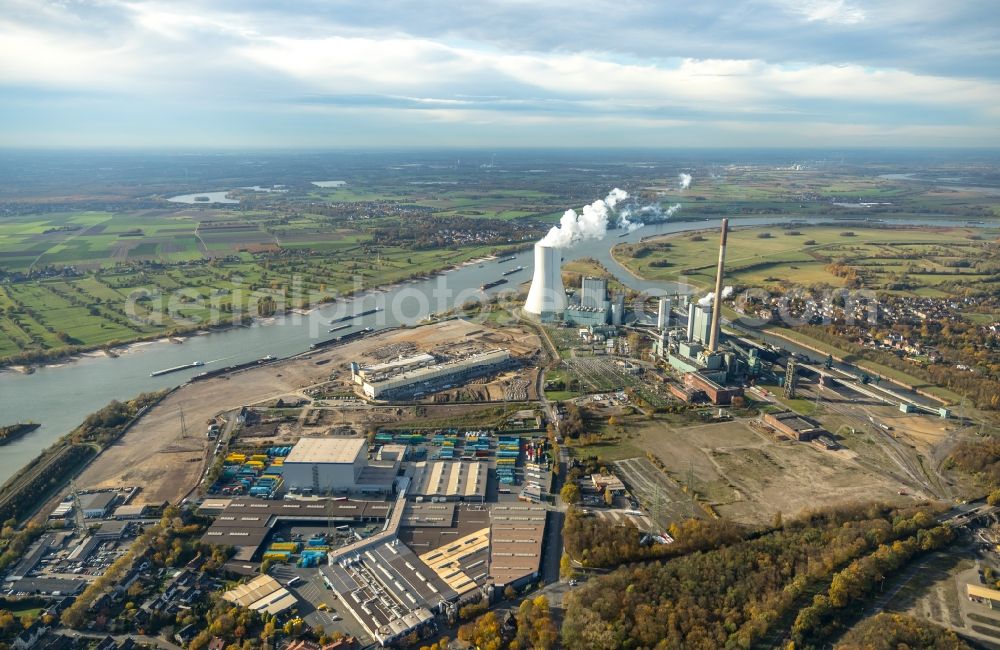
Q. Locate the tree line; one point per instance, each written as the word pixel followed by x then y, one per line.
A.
pixel 743 591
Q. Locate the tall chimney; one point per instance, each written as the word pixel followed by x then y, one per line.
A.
pixel 713 343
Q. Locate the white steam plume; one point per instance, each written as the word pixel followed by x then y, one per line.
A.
pixel 684 180
pixel 590 223
pixel 633 219
pixel 709 297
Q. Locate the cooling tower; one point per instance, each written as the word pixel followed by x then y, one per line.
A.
pixel 547 297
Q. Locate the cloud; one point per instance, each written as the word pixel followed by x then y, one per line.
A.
pixel 747 72
pixel 838 12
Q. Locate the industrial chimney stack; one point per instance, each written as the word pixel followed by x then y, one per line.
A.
pixel 713 343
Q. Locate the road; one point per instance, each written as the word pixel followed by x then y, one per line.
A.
pixel 138 638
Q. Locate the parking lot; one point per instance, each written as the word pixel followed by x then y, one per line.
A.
pixel 313 594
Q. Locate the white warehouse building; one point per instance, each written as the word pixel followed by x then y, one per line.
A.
pixel 430 377
pixel 336 466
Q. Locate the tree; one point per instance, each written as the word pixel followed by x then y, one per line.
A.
pixel 566 567
pixel 483 633
pixel 609 498
pixel 570 493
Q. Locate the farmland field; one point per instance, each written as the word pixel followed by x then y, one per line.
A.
pixel 758 256
pixel 85 238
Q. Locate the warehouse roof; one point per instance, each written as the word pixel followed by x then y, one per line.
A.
pixel 444 478
pixel 327 450
pixel 387 588
pixel 422 536
pixel 263 593
pixel 454 365
pixel 246 522
pixel 428 514
pixel 400 362
pixel 517 532
pixel 97 500
pixel 131 510
pixel 63 586
pixel 794 421
pixel 461 563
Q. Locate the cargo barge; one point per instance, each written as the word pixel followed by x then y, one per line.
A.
pixel 341 339
pixel 512 271
pixel 506 259
pixel 495 283
pixel 340 327
pixel 12 432
pixel 239 366
pixel 167 371
pixel 353 316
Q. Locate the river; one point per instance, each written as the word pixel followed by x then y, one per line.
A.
pixel 59 396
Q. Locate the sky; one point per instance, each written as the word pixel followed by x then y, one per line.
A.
pixel 499 73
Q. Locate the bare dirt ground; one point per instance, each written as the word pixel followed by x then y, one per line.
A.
pixel 168 465
pixel 749 477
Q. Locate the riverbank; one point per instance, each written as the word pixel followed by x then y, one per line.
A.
pixel 50 471
pixel 27 362
pixel 58 356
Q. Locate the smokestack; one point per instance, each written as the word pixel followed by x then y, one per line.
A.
pixel 547 297
pixel 713 343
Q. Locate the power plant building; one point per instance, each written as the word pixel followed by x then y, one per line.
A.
pixel 594 306
pixel 699 323
pixel 594 293
pixel 663 313
pixel 547 296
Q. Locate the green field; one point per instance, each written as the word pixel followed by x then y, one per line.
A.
pixel 760 256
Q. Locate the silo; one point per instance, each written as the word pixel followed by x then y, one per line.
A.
pixel 547 297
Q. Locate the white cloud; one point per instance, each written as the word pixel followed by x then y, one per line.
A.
pixel 267 60
pixel 838 12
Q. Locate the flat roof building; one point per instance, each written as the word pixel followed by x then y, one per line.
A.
pixel 328 450
pixel 517 532
pixel 262 594
pixel 716 394
pixel 457 480
pixel 387 589
pixel 795 426
pixel 97 504
pixel 336 466
pixel 430 378
pixel 246 523
pixel 604 482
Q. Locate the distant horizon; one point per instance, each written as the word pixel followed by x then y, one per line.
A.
pixel 190 150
